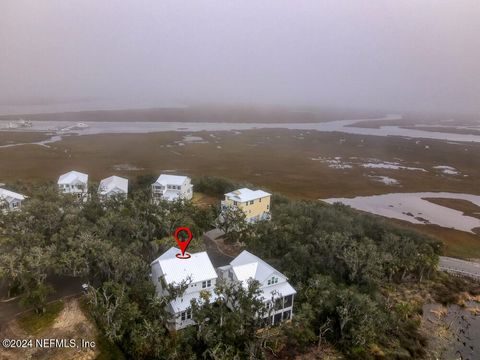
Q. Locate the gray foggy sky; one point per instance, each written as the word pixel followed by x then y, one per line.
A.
pixel 388 54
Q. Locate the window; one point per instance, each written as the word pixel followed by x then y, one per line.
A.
pixel 277 318
pixel 235 203
pixel 273 280
pixel 14 205
pixel 260 200
pixel 268 207
pixel 287 315
pixel 185 315
pixel 288 300
pixel 206 284
pixel 251 202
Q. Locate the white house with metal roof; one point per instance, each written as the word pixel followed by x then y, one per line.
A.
pixel 277 293
pixel 113 185
pixel 197 273
pixel 254 203
pixel 74 182
pixel 172 187
pixel 10 200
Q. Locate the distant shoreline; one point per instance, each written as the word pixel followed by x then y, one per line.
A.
pixel 224 114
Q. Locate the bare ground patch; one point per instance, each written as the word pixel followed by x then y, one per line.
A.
pixel 71 323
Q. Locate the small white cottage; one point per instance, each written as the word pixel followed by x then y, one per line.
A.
pixel 113 185
pixel 10 200
pixel 74 182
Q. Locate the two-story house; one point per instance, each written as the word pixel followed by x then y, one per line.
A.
pixel 254 203
pixel 113 185
pixel 172 187
pixel 10 200
pixel 197 272
pixel 75 183
pixel 276 292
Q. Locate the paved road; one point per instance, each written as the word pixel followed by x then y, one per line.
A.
pixel 64 286
pixel 217 257
pixel 460 267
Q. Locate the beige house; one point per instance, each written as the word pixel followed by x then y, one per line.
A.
pixel 254 203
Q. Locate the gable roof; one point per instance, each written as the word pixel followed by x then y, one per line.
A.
pixel 171 179
pixel 246 194
pixel 278 290
pixel 198 267
pixel 9 196
pixel 111 183
pixel 71 177
pixel 246 265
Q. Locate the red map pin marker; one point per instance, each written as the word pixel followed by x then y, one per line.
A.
pixel 183 244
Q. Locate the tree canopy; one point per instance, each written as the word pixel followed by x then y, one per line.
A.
pixel 335 257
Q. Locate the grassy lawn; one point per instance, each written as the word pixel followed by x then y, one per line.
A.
pixel 33 323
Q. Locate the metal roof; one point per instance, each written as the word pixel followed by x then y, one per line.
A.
pixel 171 179
pixel 278 290
pixel 184 302
pixel 8 195
pixel 244 194
pixel 198 267
pixel 246 265
pixel 113 184
pixel 71 177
